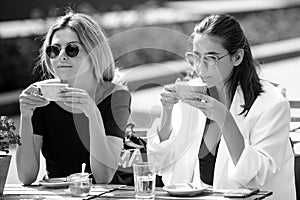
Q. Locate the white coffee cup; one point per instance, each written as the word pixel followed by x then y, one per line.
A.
pixel 51 90
pixel 189 88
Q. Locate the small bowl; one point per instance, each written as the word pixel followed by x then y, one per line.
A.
pixel 79 184
pixel 51 90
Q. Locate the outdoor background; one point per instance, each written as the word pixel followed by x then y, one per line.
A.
pixel 272 27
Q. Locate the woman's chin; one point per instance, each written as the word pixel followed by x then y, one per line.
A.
pixel 209 84
pixel 66 78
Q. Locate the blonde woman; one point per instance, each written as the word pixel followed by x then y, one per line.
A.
pixel 87 123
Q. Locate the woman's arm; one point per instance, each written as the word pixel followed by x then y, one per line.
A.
pixel 105 149
pixel 28 154
pixel 168 99
pixel 268 148
pixel 218 112
pixel 165 126
pixel 232 135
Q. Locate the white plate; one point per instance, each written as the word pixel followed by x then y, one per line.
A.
pixel 183 189
pixel 54 183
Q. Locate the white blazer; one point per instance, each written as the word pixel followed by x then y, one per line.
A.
pixel 267 162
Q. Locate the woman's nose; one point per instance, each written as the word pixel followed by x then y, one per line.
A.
pixel 202 67
pixel 199 71
pixel 63 56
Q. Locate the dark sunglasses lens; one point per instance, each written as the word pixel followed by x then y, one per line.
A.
pixel 52 51
pixel 72 50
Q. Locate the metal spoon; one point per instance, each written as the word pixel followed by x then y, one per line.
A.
pixel 83 167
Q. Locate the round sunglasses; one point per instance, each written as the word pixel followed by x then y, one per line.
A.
pixel 72 50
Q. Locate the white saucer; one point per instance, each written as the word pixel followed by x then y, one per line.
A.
pixel 54 182
pixel 183 189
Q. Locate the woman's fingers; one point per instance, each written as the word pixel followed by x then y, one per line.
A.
pixel 170 88
pixel 198 96
pixel 196 103
pixel 72 90
pixel 74 96
pixel 169 100
pixel 32 89
pixel 28 105
pixel 33 97
pixel 68 93
pixel 200 104
pixel 74 100
pixel 33 100
pixel 168 95
pixel 77 98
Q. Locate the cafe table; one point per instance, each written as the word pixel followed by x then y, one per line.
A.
pixel 107 191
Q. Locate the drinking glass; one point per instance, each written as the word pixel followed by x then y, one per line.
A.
pixel 144 180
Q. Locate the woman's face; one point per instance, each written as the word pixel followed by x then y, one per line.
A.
pixel 69 67
pixel 219 73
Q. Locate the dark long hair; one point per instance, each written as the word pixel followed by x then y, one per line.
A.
pixel 228 30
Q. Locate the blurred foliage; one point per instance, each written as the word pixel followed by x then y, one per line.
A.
pixel 52 8
pixel 272 25
pixel 259 27
pixel 18 55
pixel 17 59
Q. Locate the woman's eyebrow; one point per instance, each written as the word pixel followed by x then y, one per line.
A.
pixel 207 53
pixel 212 53
pixel 59 44
pixel 74 42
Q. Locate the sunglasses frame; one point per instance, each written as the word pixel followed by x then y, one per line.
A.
pixel 50 50
pixel 202 59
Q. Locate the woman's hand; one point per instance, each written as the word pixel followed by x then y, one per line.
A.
pixel 31 98
pixel 169 96
pixel 212 108
pixel 79 99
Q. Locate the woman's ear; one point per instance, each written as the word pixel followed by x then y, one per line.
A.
pixel 238 57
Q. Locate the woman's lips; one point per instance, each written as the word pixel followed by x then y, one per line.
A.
pixel 64 66
pixel 204 79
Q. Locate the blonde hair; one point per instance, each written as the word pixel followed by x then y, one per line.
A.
pixel 93 40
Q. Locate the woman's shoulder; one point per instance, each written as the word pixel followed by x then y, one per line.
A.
pixel 114 93
pixel 120 94
pixel 272 94
pixel 120 90
pixel 273 89
pixel 117 90
pixel 270 100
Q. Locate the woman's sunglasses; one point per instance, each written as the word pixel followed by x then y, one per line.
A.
pixel 71 50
